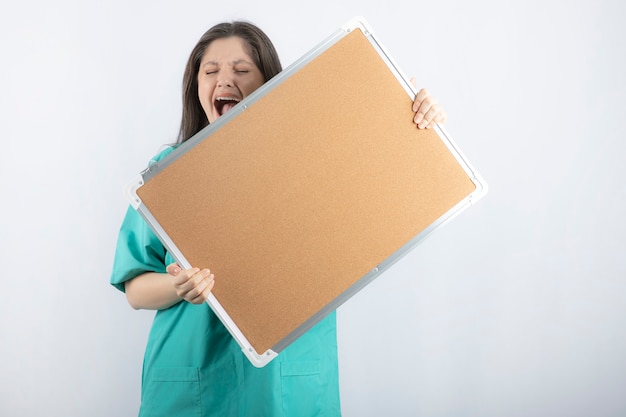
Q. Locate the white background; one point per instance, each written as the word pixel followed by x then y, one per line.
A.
pixel 515 308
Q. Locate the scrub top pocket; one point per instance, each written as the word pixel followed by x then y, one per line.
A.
pixel 302 388
pixel 172 392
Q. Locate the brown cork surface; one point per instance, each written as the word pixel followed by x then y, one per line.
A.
pixel 302 194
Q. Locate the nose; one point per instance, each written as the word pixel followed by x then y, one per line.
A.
pixel 224 81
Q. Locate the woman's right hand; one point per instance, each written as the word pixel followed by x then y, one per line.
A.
pixel 193 285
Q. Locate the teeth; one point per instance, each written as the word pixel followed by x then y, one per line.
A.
pixel 227 99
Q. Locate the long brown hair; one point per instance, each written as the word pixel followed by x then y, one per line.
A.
pixel 258 46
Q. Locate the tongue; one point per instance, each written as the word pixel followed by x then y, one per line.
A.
pixel 227 107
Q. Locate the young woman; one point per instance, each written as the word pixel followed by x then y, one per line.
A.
pixel 192 366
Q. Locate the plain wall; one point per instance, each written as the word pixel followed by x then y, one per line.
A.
pixel 515 308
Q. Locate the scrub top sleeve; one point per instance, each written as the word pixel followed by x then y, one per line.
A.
pixel 138 249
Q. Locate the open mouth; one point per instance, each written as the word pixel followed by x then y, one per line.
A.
pixel 223 104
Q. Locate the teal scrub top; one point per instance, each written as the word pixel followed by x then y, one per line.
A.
pixel 193 367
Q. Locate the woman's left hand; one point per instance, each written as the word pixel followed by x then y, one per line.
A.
pixel 427 110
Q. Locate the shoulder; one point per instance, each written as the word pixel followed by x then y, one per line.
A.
pixel 163 151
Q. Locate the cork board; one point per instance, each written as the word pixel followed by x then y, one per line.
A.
pixel 303 193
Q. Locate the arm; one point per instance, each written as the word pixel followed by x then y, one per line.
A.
pixel 157 291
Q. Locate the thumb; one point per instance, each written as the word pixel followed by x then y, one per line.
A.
pixel 173 269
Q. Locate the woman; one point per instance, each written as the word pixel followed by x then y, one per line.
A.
pixel 192 366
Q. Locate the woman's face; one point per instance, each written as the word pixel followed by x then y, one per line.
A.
pixel 226 76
